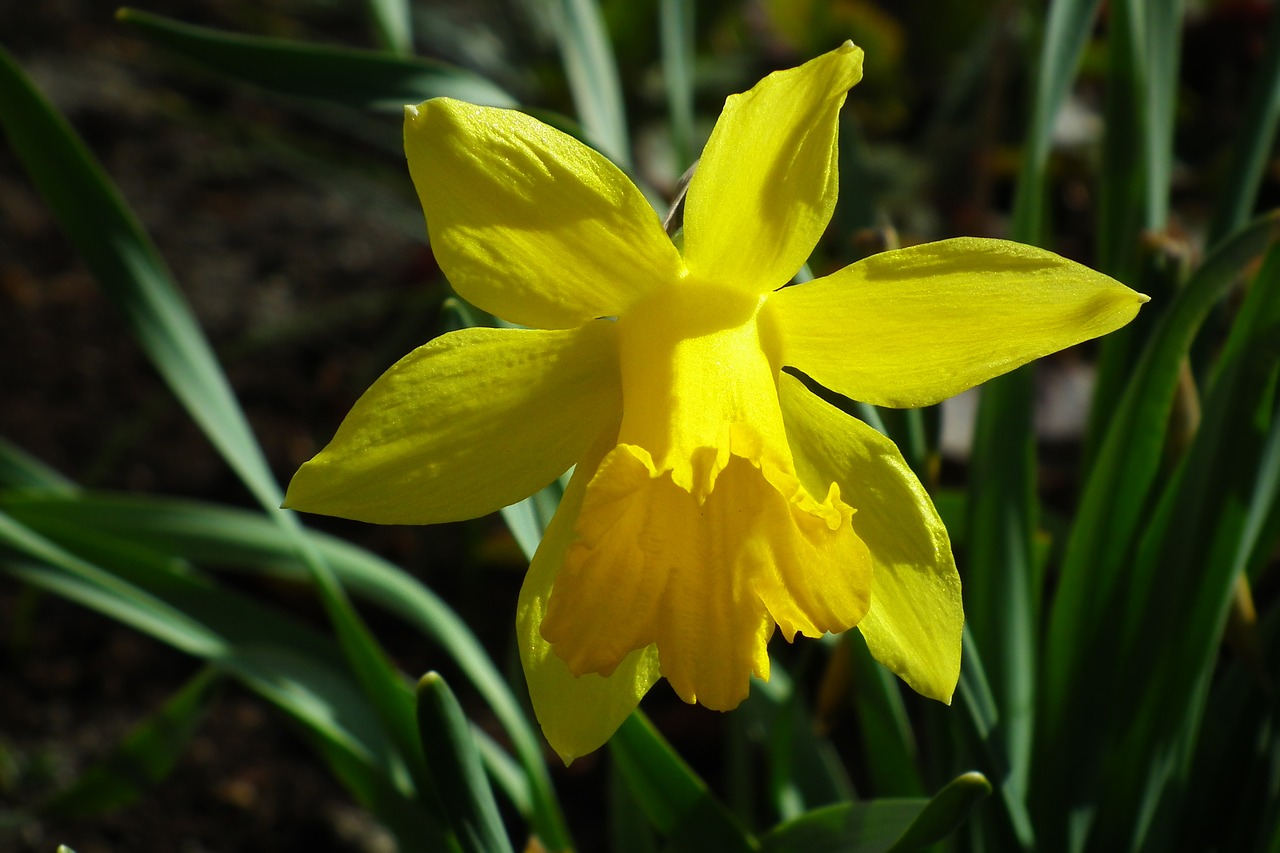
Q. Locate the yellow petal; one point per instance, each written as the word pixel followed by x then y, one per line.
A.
pixel 705 580
pixel 465 425
pixel 766 185
pixel 914 326
pixel 916 615
pixel 577 714
pixel 528 223
pixel 698 383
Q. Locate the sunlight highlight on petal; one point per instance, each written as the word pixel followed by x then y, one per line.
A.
pixel 766 185
pixel 914 326
pixel 527 222
pixel 916 615
pixel 465 425
pixel 703 581
pixel 577 714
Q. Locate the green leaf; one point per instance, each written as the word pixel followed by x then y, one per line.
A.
pixel 804 769
pixel 981 723
pixel 144 759
pixel 127 265
pixel 1092 596
pixel 629 831
pixel 1065 34
pixel 290 665
pixel 1232 774
pixel 224 537
pixel 888 743
pixel 676 19
pixel 948 809
pixel 454 768
pixel 593 76
pixel 1192 552
pixel 359 78
pixel 1002 593
pixel 1254 144
pixel 134 277
pixel 393 24
pixel 875 826
pixel 1134 186
pixel 19 469
pixel 670 794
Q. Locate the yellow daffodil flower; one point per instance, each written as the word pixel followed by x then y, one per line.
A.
pixel 714 496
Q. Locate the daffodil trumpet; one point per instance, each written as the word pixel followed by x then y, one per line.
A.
pixel 714 497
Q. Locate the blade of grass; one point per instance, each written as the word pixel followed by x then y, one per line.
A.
pixel 1191 556
pixel 676 19
pixel 1252 145
pixel 1090 600
pixel 226 537
pixel 393 24
pixel 593 77
pixel 1000 602
pixel 287 664
pixel 459 782
pixel 360 78
pixel 674 799
pixel 877 826
pixel 131 272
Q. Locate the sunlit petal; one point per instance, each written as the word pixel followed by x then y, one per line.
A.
pixel 465 425
pixel 915 326
pixel 916 616
pixel 698 383
pixel 765 187
pixel 527 222
pixel 704 581
pixel 577 713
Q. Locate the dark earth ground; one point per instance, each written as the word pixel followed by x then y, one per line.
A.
pixel 308 290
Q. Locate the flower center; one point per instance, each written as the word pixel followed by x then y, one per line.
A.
pixel 699 380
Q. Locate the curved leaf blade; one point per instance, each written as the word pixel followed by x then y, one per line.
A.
pixel 360 78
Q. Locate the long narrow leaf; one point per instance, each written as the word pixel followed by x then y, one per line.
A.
pixel 1134 186
pixel 129 268
pixel 457 776
pixel 877 826
pixel 1255 142
pixel 219 536
pixel 1000 600
pixel 593 77
pixel 677 20
pixel 1191 557
pixel 1116 499
pixel 359 78
pixel 671 795
pixel 393 24
pixel 131 272
pixel 289 665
